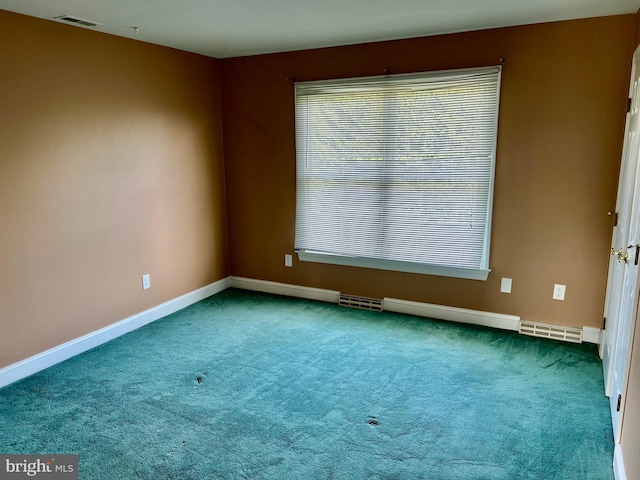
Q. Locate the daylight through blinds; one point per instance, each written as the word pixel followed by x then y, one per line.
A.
pixel 398 168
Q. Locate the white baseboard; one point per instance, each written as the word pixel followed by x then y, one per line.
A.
pixel 591 335
pixel 67 350
pixel 618 464
pixel 289 290
pixel 453 314
pixel 78 345
pixel 441 312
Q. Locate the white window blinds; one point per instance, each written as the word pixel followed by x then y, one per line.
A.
pixel 397 172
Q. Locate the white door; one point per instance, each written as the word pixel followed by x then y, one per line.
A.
pixel 622 287
pixel 628 308
pixel 626 182
pixel 622 215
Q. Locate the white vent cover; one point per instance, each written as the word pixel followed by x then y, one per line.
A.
pixel 364 303
pixel 568 334
pixel 76 20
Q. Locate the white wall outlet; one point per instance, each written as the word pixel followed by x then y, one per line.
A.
pixel 505 285
pixel 288 260
pixel 559 291
pixel 146 281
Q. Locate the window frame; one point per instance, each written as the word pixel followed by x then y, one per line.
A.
pixel 480 273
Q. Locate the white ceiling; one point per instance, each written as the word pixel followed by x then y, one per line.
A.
pixel 230 28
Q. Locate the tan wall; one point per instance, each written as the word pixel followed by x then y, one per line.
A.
pixel 562 114
pixel 110 167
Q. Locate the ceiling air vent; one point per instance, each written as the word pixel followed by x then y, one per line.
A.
pixel 77 21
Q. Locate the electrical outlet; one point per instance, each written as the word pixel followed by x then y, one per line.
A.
pixel 505 285
pixel 288 260
pixel 559 291
pixel 146 281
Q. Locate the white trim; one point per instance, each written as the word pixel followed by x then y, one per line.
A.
pixel 618 464
pixel 277 288
pixel 76 346
pixel 591 335
pixel 453 314
pixel 441 312
pixel 394 266
pixel 48 358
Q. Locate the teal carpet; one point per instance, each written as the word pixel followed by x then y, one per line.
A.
pixel 245 385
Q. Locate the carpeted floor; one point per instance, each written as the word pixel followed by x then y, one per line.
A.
pixel 246 385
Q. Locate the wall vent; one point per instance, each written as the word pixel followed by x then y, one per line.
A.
pixel 365 303
pixel 78 21
pixel 543 330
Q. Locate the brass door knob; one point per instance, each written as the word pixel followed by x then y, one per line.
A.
pixel 623 258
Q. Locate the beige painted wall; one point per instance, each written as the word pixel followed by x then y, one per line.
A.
pixel 562 113
pixel 110 167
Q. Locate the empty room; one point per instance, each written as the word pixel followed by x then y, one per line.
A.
pixel 320 240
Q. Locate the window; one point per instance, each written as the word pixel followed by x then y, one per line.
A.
pixel 396 172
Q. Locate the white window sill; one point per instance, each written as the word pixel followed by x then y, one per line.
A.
pixel 467 273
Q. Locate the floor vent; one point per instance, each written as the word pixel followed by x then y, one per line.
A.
pixel 567 334
pixel 364 303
